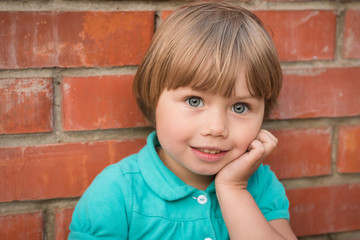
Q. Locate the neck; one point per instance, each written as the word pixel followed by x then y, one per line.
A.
pixel 201 183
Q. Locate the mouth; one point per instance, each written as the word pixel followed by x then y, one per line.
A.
pixel 209 154
pixel 209 151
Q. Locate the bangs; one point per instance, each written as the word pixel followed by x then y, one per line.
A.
pixel 207 58
pixel 211 55
pixel 210 71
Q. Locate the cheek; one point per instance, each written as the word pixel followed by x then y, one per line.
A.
pixel 246 136
pixel 173 123
pixel 254 131
pixel 165 123
pixel 167 127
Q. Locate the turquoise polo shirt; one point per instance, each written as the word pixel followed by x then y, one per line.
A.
pixel 140 198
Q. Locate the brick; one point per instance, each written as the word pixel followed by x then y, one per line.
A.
pixel 351 42
pixel 301 35
pixel 348 149
pixel 301 153
pixel 313 93
pixel 26 105
pixel 73 39
pixel 324 209
pixel 62 223
pixel 26 226
pixel 59 170
pixel 165 14
pixel 100 103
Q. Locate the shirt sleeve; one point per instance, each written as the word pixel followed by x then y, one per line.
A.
pixel 269 194
pixel 101 212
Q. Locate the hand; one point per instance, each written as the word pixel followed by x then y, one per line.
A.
pixel 238 172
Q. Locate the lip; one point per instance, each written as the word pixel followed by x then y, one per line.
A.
pixel 208 157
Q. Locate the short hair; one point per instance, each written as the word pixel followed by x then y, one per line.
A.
pixel 205 46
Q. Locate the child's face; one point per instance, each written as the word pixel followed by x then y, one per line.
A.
pixel 200 132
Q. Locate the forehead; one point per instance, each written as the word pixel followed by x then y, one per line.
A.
pixel 241 86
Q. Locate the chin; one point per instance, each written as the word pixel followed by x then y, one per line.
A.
pixel 207 172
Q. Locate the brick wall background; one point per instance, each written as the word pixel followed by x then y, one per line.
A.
pixel 67 111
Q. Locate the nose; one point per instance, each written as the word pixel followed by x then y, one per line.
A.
pixel 215 124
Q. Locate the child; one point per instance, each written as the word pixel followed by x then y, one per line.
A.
pixel 209 78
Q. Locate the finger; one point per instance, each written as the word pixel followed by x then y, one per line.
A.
pixel 272 136
pixel 246 165
pixel 256 151
pixel 268 134
pixel 268 140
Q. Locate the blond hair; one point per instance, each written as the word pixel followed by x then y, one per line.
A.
pixel 205 46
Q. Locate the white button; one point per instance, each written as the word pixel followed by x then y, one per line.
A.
pixel 207 239
pixel 202 199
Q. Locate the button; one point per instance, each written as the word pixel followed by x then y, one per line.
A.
pixel 208 239
pixel 202 199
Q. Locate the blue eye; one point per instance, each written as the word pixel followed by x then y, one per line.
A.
pixel 195 102
pixel 240 108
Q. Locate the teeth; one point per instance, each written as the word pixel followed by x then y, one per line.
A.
pixel 211 151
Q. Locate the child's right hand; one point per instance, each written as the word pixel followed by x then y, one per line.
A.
pixel 237 173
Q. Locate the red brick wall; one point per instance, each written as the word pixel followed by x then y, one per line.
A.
pixel 66 108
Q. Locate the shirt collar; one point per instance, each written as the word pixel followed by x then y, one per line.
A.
pixel 159 178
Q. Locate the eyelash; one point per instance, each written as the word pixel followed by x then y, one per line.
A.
pixel 247 107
